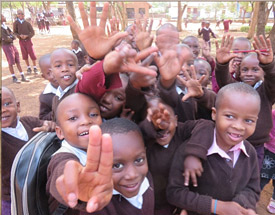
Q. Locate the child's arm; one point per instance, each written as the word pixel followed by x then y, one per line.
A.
pixel 91 183
pixel 48 126
pixel 93 37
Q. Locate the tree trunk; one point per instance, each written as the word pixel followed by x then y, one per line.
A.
pixel 71 11
pixel 12 17
pixel 261 18
pixel 244 12
pixel 272 37
pixel 180 13
pixel 253 23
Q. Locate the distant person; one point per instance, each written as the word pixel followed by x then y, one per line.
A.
pixel 205 32
pixel 226 24
pixel 24 31
pixel 80 54
pixel 10 51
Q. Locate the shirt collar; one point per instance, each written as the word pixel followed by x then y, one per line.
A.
pixel 137 200
pixel 4 26
pixel 179 90
pixel 78 50
pixel 79 153
pixel 19 131
pixel 21 20
pixel 60 93
pixel 49 89
pixel 258 84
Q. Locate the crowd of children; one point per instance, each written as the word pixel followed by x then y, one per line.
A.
pixel 141 131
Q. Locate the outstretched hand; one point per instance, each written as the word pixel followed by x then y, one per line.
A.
pixel 223 54
pixel 91 183
pixel 93 37
pixel 143 37
pixel 194 87
pixel 263 44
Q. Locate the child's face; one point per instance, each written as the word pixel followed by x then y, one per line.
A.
pixel 74 46
pixel 45 67
pixel 130 164
pixel 235 118
pixel 202 69
pixel 187 63
pixel 75 115
pixel 10 108
pixel 64 66
pixel 250 71
pixel 112 102
pixel 194 46
pixel 165 136
pixel 237 46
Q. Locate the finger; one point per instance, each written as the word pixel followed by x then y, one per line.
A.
pixel 73 24
pixel 194 179
pixel 93 13
pixel 223 39
pixel 150 26
pixel 104 15
pixel 202 78
pixel 185 97
pixel 108 30
pixel 60 186
pixel 99 201
pixel 145 23
pixel 106 157
pixel 71 173
pixel 217 44
pixel 139 69
pixel 83 14
pixel 186 74
pixel 148 60
pixel 181 80
pixel 94 149
pixel 231 40
pixel 186 178
pixel 116 37
pixel 183 212
pixel 144 53
pixel 198 173
pixel 193 72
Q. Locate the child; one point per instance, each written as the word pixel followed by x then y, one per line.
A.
pixel 253 69
pixel 268 168
pixel 205 32
pixel 46 97
pixel 15 133
pixel 10 51
pixel 229 183
pixel 75 45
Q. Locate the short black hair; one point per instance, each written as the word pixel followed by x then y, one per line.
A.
pixel 189 37
pixel 235 87
pixel 44 57
pixel 166 26
pixel 198 60
pixel 119 126
pixel 243 39
pixel 76 42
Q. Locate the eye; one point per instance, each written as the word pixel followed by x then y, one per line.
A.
pixel 118 166
pixel 250 121
pixel 244 69
pixel 255 69
pixel 139 160
pixel 93 114
pixel 245 53
pixel 119 98
pixel 70 64
pixel 57 66
pixel 228 116
pixel 73 118
pixel 7 104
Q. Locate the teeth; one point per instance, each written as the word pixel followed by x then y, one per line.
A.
pixel 67 76
pixel 84 133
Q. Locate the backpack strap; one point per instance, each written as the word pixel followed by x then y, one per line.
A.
pixel 60 210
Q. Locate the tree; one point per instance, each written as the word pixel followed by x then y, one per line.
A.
pixel 254 19
pixel 118 10
pixel 180 13
pixel 71 11
pixel 261 18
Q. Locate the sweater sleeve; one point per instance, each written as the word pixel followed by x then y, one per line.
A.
pixel 93 82
pixel 223 76
pixel 179 195
pixel 269 80
pixel 15 29
pixel 31 31
pixel 208 99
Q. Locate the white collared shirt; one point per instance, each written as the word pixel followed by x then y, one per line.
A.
pixel 21 21
pixel 137 200
pixel 49 89
pixel 79 153
pixel 236 149
pixel 4 26
pixel 60 93
pixel 19 131
pixel 78 50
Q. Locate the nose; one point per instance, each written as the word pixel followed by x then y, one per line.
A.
pixel 238 125
pixel 86 120
pixel 107 98
pixel 131 172
pixel 64 68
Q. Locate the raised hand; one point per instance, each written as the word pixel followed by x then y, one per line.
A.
pixel 194 87
pixel 143 37
pixel 260 44
pixel 126 59
pixel 223 54
pixel 93 37
pixel 91 183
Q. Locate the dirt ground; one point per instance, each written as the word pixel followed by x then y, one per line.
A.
pixel 60 36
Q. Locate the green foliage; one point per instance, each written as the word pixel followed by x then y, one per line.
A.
pixel 246 28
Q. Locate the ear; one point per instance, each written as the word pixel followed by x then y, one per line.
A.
pixel 176 120
pixel 59 132
pixel 18 107
pixel 214 112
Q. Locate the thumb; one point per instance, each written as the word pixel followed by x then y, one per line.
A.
pixel 185 97
pixel 116 37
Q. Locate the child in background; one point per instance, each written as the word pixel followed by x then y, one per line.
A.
pixel 75 45
pixel 15 133
pixel 229 182
pixel 257 71
pixel 46 97
pixel 268 168
pixel 205 32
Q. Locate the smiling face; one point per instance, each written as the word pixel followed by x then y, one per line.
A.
pixel 10 109
pixel 194 45
pixel 130 164
pixel 74 120
pixel 45 68
pixel 112 102
pixel 20 14
pixel 64 66
pixel 250 71
pixel 202 67
pixel 235 117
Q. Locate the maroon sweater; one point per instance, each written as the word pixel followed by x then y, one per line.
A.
pixel 240 184
pixel 267 94
pixel 25 28
pixel 45 109
pixel 10 146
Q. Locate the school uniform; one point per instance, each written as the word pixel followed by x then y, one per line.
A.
pixel 266 90
pixel 205 32
pixel 160 157
pixel 45 99
pixel 223 178
pixel 26 46
pixel 80 57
